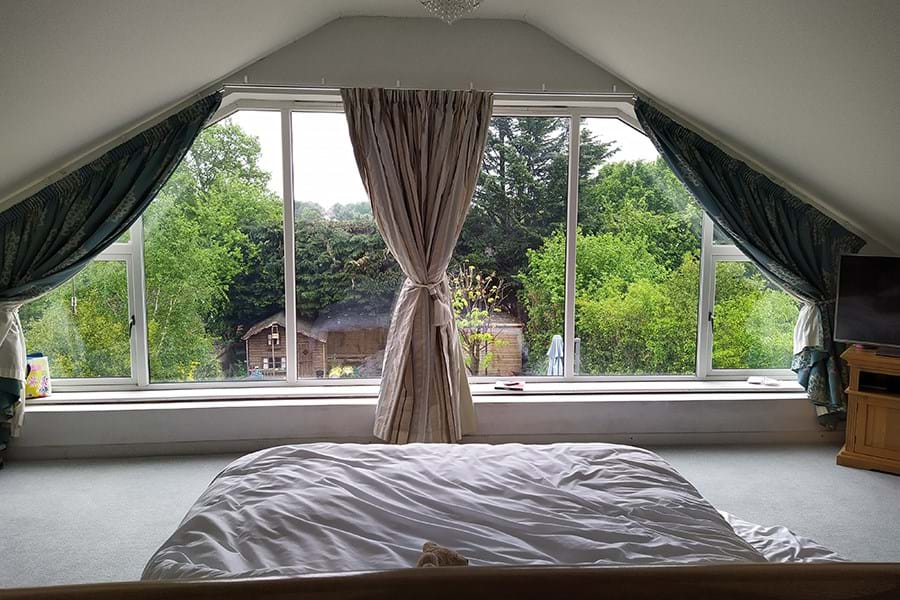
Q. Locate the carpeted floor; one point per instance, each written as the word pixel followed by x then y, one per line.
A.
pixel 99 520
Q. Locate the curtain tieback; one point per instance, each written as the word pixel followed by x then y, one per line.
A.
pixel 443 311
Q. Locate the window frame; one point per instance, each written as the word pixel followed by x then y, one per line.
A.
pixel 117 252
pixel 710 255
pixel 287 101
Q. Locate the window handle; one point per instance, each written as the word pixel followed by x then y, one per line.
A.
pixel 712 320
pixel 131 325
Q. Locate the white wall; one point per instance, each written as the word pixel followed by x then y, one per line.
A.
pixel 494 54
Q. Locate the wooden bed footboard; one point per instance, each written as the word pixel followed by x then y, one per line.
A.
pixel 834 581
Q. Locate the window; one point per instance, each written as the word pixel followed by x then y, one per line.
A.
pixel 273 363
pixel 582 257
pixel 213 253
pixel 638 258
pixel 509 266
pixel 752 320
pixel 346 280
pixel 84 325
pixel 748 321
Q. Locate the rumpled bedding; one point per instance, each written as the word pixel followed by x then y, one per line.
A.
pixel 321 508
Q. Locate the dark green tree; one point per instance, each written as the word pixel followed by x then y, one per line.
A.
pixel 522 192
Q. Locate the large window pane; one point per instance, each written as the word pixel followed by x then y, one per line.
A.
pixel 213 255
pixel 638 258
pixel 346 278
pixel 83 326
pixel 508 271
pixel 753 320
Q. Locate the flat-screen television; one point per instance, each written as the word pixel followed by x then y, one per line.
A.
pixel 868 301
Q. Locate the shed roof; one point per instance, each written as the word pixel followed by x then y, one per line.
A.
pixel 303 326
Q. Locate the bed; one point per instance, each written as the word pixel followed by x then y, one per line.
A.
pixel 327 508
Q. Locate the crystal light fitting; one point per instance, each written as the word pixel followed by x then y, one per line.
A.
pixel 450 10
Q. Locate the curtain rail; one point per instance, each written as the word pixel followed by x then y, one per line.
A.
pixel 319 88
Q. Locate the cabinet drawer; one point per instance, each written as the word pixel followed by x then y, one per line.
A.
pixel 877 426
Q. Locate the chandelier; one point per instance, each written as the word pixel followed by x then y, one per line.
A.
pixel 450 10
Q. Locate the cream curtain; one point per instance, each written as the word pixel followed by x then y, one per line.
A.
pixel 419 154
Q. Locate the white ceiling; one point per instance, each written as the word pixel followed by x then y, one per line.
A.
pixel 810 88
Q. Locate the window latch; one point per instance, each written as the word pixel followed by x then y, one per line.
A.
pixel 711 319
pixel 131 325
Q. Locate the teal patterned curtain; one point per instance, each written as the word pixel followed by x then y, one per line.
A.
pixel 793 244
pixel 50 236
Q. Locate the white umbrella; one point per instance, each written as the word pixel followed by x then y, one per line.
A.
pixel 555 357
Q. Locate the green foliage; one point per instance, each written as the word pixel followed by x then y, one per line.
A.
pixel 642 199
pixel 477 301
pixel 753 321
pixel 351 212
pixel 649 327
pixel 213 230
pixel 214 266
pixel 341 372
pixel 83 325
pixel 632 315
pixel 522 191
pixel 340 261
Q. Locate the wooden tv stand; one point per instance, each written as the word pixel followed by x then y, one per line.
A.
pixel 873 412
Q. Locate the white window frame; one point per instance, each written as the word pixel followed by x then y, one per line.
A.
pixel 117 252
pixel 287 101
pixel 711 254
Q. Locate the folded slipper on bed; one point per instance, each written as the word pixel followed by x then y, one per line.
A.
pixel 438 556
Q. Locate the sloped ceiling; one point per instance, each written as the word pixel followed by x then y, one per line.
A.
pixel 810 88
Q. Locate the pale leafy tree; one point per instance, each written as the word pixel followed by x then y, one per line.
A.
pixel 477 303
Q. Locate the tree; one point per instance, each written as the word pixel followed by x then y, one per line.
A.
pixel 351 212
pixel 477 300
pixel 629 308
pixel 647 327
pixel 214 265
pixel 343 260
pixel 754 321
pixel 522 192
pixel 637 283
pixel 213 229
pixel 83 326
pixel 642 198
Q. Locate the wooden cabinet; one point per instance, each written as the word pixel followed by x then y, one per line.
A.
pixel 873 412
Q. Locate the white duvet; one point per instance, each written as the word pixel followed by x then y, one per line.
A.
pixel 319 508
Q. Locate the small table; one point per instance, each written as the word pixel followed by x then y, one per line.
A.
pixel 873 412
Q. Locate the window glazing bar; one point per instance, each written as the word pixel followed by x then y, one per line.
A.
pixel 571 229
pixel 290 274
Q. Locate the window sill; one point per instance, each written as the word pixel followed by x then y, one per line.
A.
pixel 482 392
pixel 228 420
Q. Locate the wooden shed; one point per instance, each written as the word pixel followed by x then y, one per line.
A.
pixel 353 336
pixel 507 354
pixel 356 335
pixel 266 350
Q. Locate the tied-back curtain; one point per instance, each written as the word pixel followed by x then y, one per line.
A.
pixel 792 243
pixel 419 154
pixel 50 236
